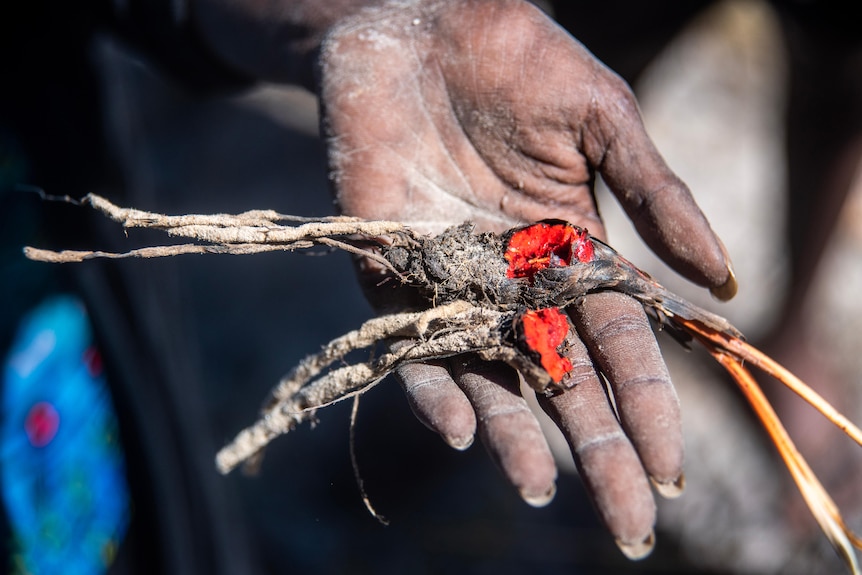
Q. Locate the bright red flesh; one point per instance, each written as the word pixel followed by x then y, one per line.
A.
pixel 544 331
pixel 545 245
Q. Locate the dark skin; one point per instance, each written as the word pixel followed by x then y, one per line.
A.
pixel 486 110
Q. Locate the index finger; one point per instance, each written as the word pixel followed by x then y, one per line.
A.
pixel 658 203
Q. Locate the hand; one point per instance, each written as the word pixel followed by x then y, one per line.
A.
pixel 485 110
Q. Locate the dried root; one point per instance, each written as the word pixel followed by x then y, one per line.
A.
pixel 498 296
pixel 251 232
pixel 440 332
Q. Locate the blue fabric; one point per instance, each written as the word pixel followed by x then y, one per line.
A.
pixel 61 463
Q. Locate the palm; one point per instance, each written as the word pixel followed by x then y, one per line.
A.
pixel 413 138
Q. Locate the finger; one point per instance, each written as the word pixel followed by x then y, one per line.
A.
pixel 606 460
pixel 507 427
pixel 438 403
pixel 615 329
pixel 658 203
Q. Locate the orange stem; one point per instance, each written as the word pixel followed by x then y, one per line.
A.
pixel 747 352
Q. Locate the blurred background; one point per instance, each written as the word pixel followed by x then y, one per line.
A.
pixel 191 345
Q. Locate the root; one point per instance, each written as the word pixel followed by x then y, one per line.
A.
pixel 354 462
pixel 437 333
pixel 250 232
pixel 411 325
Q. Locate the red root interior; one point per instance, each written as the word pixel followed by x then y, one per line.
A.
pixel 545 245
pixel 544 331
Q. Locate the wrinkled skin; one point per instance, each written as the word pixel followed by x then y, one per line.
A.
pixel 485 110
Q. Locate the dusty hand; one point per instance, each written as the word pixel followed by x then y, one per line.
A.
pixel 440 112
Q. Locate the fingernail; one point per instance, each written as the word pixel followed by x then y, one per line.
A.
pixel 728 289
pixel 639 549
pixel 459 443
pixel 542 499
pixel 670 489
